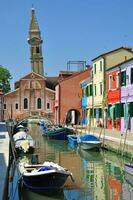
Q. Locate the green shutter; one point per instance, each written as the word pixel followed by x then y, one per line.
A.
pixel 131 75
pixel 119 111
pixel 90 90
pixel 91 112
pixel 131 109
pixel 100 66
pixel 87 94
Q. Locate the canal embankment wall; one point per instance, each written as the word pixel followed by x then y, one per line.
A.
pixel 113 140
pixel 4 164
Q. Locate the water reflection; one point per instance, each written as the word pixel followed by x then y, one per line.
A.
pixel 98 175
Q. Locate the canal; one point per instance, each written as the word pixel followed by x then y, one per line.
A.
pixel 97 175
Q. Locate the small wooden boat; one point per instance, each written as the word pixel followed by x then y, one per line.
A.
pixel 56 132
pixel 23 142
pixel 72 139
pixel 88 142
pixel 44 177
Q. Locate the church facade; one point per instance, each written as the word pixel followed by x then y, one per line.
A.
pixel 33 94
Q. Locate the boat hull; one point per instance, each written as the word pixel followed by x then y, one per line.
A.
pixel 51 181
pixel 90 145
pixel 59 134
pixel 72 139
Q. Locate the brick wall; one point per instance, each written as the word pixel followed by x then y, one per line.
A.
pixel 70 93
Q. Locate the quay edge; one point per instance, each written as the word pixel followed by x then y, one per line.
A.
pixel 112 140
pixel 4 163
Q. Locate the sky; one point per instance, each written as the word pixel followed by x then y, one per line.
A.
pixel 70 29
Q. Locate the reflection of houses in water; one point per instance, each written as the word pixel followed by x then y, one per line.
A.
pixel 115 188
pixel 94 177
pixel 72 162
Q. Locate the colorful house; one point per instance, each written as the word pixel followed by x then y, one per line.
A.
pixel 120 96
pixel 87 96
pixel 113 97
pixel 127 95
pixel 100 65
pixel 68 98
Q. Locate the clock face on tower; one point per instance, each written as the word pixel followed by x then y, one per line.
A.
pixel 35 41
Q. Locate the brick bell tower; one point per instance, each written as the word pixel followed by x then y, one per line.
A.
pixel 35 43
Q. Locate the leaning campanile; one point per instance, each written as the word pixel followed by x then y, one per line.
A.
pixel 35 43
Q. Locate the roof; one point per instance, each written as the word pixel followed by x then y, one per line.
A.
pixel 119 64
pixel 51 82
pixel 75 74
pixel 109 52
pixel 33 23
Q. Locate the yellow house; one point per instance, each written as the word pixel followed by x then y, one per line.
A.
pixel 100 64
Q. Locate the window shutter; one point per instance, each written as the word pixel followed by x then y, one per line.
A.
pixel 131 75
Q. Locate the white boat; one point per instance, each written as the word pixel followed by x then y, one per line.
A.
pixel 88 142
pixel 43 177
pixel 23 142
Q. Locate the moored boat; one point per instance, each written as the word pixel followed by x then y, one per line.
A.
pixel 88 142
pixel 56 132
pixel 47 176
pixel 72 139
pixel 23 142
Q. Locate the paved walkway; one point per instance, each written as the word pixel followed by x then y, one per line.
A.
pixel 113 135
pixel 4 160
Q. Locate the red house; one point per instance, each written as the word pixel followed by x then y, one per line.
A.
pixel 113 97
pixel 68 98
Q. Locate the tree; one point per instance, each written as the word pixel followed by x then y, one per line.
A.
pixel 5 78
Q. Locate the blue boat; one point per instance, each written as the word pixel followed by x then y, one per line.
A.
pixel 56 132
pixel 88 142
pixel 72 139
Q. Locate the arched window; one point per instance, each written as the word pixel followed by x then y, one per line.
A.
pixel 39 103
pixel 25 103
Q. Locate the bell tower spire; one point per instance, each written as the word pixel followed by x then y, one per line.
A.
pixel 35 43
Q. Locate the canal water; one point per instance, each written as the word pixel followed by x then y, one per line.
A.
pixel 97 175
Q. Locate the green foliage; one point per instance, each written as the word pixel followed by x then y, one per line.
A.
pixel 5 78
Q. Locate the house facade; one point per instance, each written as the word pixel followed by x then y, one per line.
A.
pixel 87 101
pixel 1 105
pixel 68 98
pixel 30 98
pixel 113 97
pixel 127 96
pixel 100 65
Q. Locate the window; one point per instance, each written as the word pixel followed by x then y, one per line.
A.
pixel 39 103
pixel 110 82
pixel 25 103
pixel 118 81
pixel 48 105
pixel 131 75
pixel 87 91
pixel 95 89
pixel 90 90
pixel 16 106
pixel 123 78
pixel 37 50
pixel 4 106
pixel 94 68
pixel 101 89
pixel 101 66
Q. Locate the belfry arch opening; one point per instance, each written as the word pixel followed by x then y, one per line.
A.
pixel 73 117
